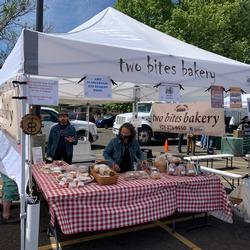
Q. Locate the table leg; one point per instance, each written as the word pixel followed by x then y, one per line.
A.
pixel 58 247
pixel 52 231
pixel 226 162
pixel 196 225
pixel 231 162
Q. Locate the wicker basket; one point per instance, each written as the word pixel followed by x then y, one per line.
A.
pixel 235 201
pixel 104 180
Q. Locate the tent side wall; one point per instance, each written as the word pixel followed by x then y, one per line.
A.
pixel 14 62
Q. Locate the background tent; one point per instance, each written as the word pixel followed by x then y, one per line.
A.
pixel 115 45
pixel 71 92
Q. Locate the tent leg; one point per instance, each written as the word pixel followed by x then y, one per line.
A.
pixel 23 198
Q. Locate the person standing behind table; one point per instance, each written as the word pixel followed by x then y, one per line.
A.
pixel 123 150
pixel 204 141
pixel 180 142
pixel 62 137
pixel 191 142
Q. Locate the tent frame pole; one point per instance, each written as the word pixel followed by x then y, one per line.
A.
pixel 87 119
pixel 23 198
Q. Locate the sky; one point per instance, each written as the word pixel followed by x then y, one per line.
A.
pixel 64 15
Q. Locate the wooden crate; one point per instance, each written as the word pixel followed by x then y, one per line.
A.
pixel 238 133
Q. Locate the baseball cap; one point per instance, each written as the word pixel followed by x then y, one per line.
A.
pixel 63 113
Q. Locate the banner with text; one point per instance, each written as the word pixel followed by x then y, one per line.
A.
pixel 235 97
pixel 10 113
pixel 217 97
pixel 41 92
pixel 248 108
pixel 196 118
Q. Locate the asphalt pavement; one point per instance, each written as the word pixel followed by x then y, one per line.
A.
pixel 216 235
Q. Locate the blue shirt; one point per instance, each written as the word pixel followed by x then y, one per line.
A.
pixel 114 151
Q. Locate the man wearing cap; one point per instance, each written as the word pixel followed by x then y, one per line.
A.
pixel 62 137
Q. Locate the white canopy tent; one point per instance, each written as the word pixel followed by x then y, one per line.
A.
pixel 115 45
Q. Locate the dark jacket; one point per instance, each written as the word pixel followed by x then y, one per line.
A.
pixel 54 137
pixel 114 151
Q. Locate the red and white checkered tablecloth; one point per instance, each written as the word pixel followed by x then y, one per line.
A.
pixel 203 194
pixel 95 207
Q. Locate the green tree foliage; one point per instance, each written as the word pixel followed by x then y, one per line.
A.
pixel 150 12
pixel 220 26
pixel 118 107
pixel 11 11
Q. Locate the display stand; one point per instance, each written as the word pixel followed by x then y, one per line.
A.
pixel 232 145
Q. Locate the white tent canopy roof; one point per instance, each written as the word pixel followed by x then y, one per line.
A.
pixel 115 45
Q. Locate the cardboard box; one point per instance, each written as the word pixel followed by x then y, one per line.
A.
pixel 238 133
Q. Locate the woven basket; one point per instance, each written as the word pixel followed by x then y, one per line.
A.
pixel 235 200
pixel 104 180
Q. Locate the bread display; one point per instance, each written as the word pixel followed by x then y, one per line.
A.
pixel 74 179
pixel 161 163
pixel 103 174
pixel 179 168
pixel 103 170
pixel 135 175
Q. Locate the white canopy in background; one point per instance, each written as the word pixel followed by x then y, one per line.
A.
pixel 244 98
pixel 71 92
pixel 115 45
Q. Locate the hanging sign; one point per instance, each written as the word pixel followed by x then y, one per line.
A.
pixel 235 97
pixel 197 117
pixel 31 124
pixel 97 87
pixel 248 108
pixel 217 97
pixel 41 92
pixel 169 93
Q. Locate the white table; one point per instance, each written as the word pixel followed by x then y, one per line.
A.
pixel 248 160
pixel 198 158
pixel 224 174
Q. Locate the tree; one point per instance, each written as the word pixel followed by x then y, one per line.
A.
pixel 11 12
pixel 220 26
pixel 150 12
pixel 118 107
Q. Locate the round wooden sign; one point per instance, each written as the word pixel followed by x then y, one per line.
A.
pixel 31 124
